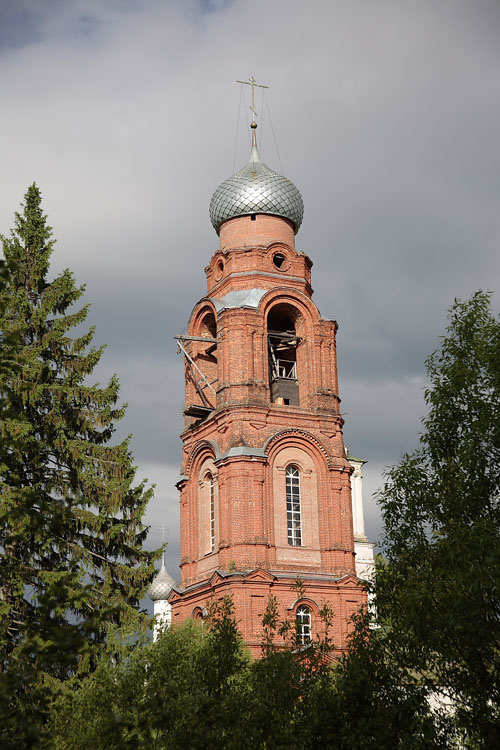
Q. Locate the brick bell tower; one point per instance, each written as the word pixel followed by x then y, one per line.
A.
pixel 265 490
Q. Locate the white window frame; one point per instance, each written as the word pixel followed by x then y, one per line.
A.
pixel 303 621
pixel 211 485
pixel 293 506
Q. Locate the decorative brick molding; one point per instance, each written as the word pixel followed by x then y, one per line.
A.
pixel 301 438
pixel 208 447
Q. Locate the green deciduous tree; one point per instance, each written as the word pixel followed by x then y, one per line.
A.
pixel 196 688
pixel 379 701
pixel 72 568
pixel 440 592
pixel 185 691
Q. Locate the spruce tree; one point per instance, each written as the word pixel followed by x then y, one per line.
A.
pixel 72 566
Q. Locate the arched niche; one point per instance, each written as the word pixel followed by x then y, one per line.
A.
pixel 292 546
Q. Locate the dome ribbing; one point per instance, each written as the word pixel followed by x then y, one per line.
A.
pixel 162 585
pixel 256 189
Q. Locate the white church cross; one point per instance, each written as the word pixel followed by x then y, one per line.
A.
pixel 252 82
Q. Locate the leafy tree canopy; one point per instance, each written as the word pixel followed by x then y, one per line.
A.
pixel 198 688
pixel 440 592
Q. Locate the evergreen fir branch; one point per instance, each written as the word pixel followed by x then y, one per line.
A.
pixel 72 563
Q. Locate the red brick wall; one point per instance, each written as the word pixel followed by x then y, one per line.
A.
pixel 250 594
pixel 246 442
pixel 262 229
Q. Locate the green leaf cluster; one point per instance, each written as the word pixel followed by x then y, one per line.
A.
pixel 182 691
pixel 439 594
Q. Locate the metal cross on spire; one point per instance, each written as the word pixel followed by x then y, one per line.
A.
pixel 164 531
pixel 252 82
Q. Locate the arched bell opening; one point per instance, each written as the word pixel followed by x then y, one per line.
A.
pixel 282 346
pixel 207 355
pixel 200 351
pixel 208 326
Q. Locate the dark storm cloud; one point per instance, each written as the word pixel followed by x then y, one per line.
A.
pixel 387 117
pixel 19 24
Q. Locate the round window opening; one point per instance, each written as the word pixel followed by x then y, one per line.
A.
pixel 279 260
pixel 219 269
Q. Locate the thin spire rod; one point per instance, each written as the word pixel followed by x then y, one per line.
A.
pixel 164 530
pixel 252 82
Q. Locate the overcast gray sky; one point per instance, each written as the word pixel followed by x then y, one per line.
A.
pixel 387 118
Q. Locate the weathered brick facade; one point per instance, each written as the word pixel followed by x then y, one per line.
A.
pixel 261 397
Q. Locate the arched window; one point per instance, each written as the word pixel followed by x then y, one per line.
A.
pixel 212 511
pixel 294 523
pixel 207 509
pixel 303 623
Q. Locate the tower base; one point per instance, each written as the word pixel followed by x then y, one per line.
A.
pixel 251 592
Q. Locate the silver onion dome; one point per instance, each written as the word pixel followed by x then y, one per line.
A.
pixel 256 189
pixel 162 584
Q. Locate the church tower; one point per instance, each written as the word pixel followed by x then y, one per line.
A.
pixel 265 489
